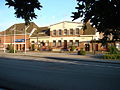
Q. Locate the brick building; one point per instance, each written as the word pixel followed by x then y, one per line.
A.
pixel 59 36
pixel 63 35
pixel 15 36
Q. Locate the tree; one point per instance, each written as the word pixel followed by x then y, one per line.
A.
pixel 102 14
pixel 25 8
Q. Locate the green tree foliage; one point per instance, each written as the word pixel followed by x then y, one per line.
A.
pixel 25 9
pixel 103 14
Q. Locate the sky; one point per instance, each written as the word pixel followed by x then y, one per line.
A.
pixel 53 11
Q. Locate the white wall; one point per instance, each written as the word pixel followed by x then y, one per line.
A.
pixel 65 25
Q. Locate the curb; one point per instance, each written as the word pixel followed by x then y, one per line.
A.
pixel 84 60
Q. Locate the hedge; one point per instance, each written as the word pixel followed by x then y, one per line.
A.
pixel 111 56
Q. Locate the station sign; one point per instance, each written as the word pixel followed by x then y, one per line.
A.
pixel 20 40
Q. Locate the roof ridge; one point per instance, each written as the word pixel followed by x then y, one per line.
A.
pixel 65 21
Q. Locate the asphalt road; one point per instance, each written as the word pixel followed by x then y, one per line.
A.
pixel 20 74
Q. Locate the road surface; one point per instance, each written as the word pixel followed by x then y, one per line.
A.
pixel 31 74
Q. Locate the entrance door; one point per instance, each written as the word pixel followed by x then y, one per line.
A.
pixel 23 47
pixel 65 44
pixel 87 47
pixel 17 47
pixel 96 47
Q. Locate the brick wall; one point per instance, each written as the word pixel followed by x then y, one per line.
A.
pixel 9 39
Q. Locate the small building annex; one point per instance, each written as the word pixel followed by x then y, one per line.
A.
pixel 16 36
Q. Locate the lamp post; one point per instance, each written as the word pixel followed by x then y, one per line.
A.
pixel 26 27
pixel 94 46
pixel 4 40
pixel 37 42
pixel 14 38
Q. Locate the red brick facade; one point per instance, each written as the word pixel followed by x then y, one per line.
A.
pixel 7 40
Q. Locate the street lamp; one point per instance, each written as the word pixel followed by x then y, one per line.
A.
pixel 26 27
pixel 4 40
pixel 14 38
pixel 94 46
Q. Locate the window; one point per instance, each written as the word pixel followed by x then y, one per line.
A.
pixel 77 43
pixel 33 42
pixel 71 43
pixel 59 43
pixel 77 31
pixel 54 43
pixel 54 32
pixel 65 31
pixel 60 32
pixel 47 43
pixel 71 31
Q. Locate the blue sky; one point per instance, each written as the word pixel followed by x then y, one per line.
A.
pixel 53 11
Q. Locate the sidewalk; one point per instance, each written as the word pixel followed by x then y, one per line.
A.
pixel 63 56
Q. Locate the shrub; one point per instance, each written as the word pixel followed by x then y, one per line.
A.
pixel 33 47
pixel 72 48
pixel 11 49
pixel 49 48
pixel 112 50
pixel 113 53
pixel 81 52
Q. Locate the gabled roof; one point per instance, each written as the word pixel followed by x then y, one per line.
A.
pixel 41 31
pixel 89 29
pixel 20 28
pixel 66 22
